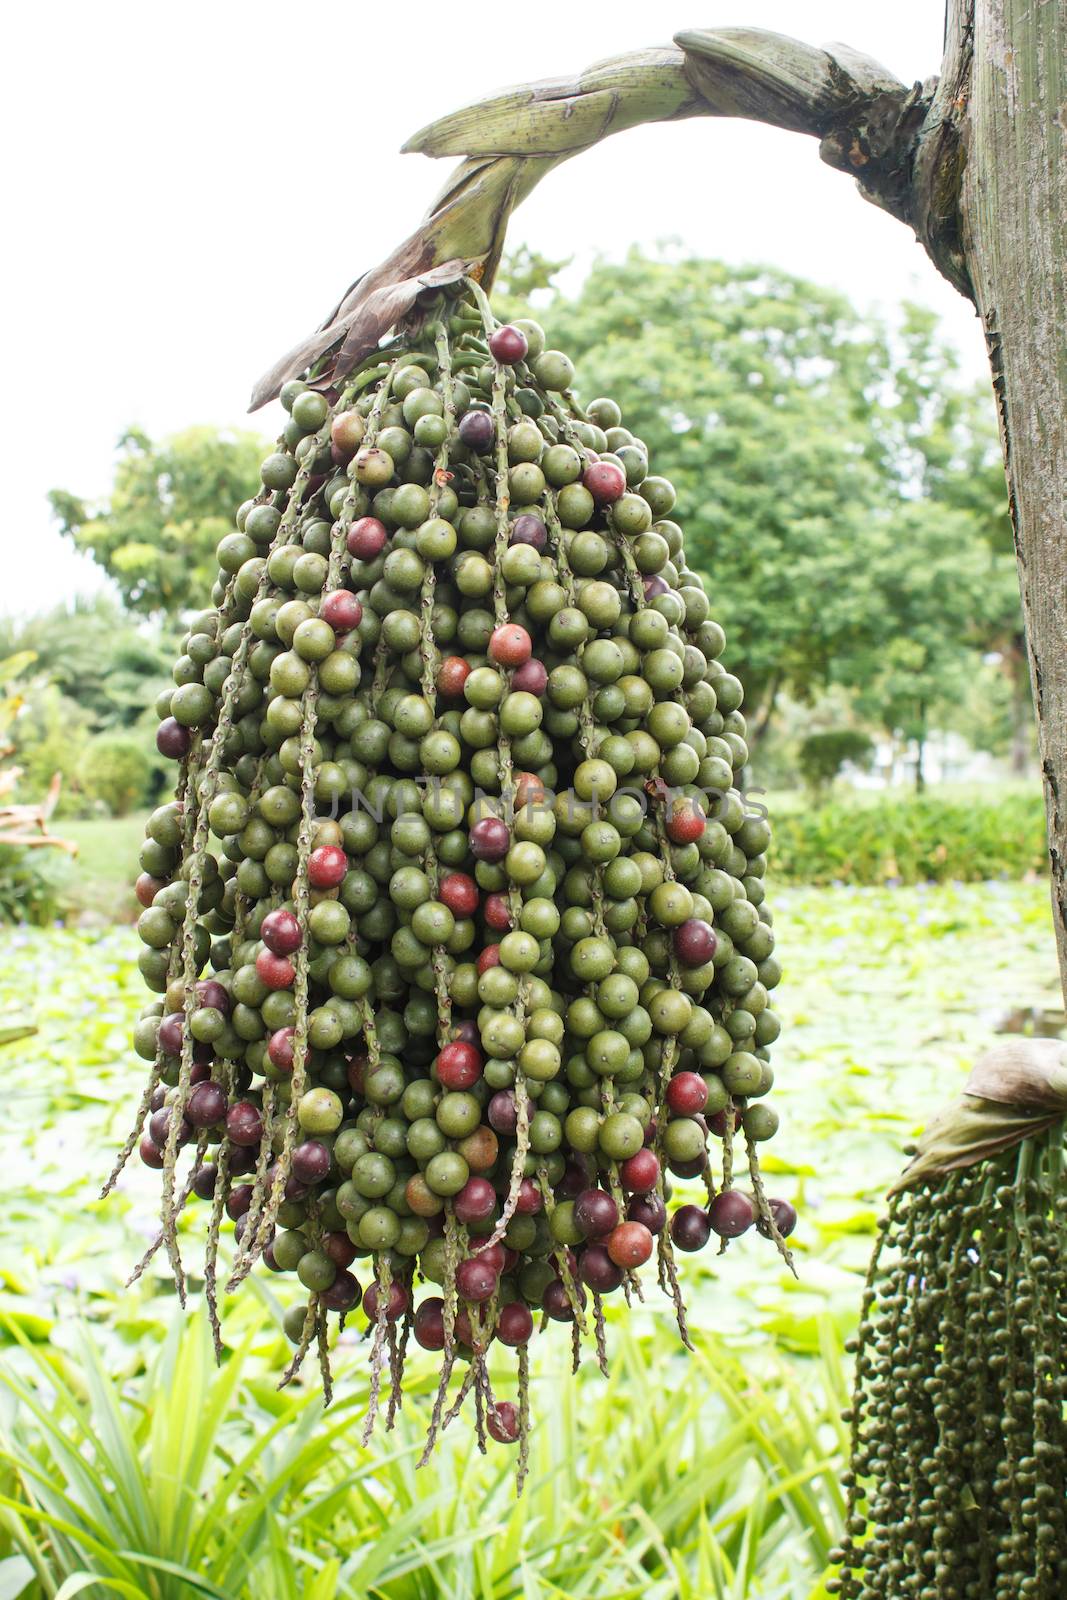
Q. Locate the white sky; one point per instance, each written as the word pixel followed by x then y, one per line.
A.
pixel 183 182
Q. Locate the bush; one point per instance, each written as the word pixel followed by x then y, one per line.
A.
pixel 912 840
pixel 35 885
pixel 822 755
pixel 117 772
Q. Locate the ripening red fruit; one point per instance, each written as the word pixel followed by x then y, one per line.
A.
pixel 785 1218
pixel 459 1065
pixel 731 1213
pixel 475 1202
pixel 238 1201
pixel 244 1124
pixel 346 433
pixel 476 430
pixel 690 1228
pixel 501 1112
pixel 280 1049
pixel 530 1199
pixel 206 1105
pixel 640 1173
pixel 606 481
pixel 494 1255
pixel 396 1304
pixel 496 912
pixel 687 1093
pixel 502 1422
pixel 630 1245
pixel 429 1324
pixel 292 1190
pixel 529 790
pixel 510 645
pixel 150 1153
pixel 356 1073
pixel 341 610
pixel 685 822
pixel 529 529
pixel 280 932
pixel 339 1248
pixel 575 1178
pixel 311 1163
pixel 649 1210
pixel 489 957
pixel 514 1325
pixel 172 739
pixel 694 942
pixel 531 677
pixel 476 1279
pixel 204 1182
pixel 452 674
pixel 595 1213
pixel 597 1270
pixel 210 992
pixel 343 1292
pixel 277 972
pixel 146 888
pixel 508 344
pixel 655 585
pixel 459 892
pixel 465 1333
pixel 489 839
pixel 367 538
pixel 327 866
pixel 556 1304
pixel 480 1149
pixel 169 1035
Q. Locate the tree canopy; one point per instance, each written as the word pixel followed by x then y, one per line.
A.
pixel 838 485
pixel 170 503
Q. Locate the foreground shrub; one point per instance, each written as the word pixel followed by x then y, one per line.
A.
pixel 680 1476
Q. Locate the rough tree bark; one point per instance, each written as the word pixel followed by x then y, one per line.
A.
pixel 1013 211
pixel 972 161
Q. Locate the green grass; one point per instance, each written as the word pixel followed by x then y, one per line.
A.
pixel 678 1478
pixel 106 864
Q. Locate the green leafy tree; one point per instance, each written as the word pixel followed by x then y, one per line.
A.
pixel 944 593
pixel 170 503
pixel 823 754
pixel 95 671
pixel 110 663
pixel 801 437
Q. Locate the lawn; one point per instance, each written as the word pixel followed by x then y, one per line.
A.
pixel 106 864
pixel 681 1477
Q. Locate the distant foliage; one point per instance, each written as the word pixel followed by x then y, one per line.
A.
pixel 95 674
pixel 171 502
pixel 117 772
pixel 822 755
pixel 839 485
pixel 917 839
pixel 35 885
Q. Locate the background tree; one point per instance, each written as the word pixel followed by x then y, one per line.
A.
pixel 840 456
pixel 170 504
pixel 83 710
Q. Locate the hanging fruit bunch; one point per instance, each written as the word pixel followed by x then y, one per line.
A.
pixel 457 920
pixel 958 1480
